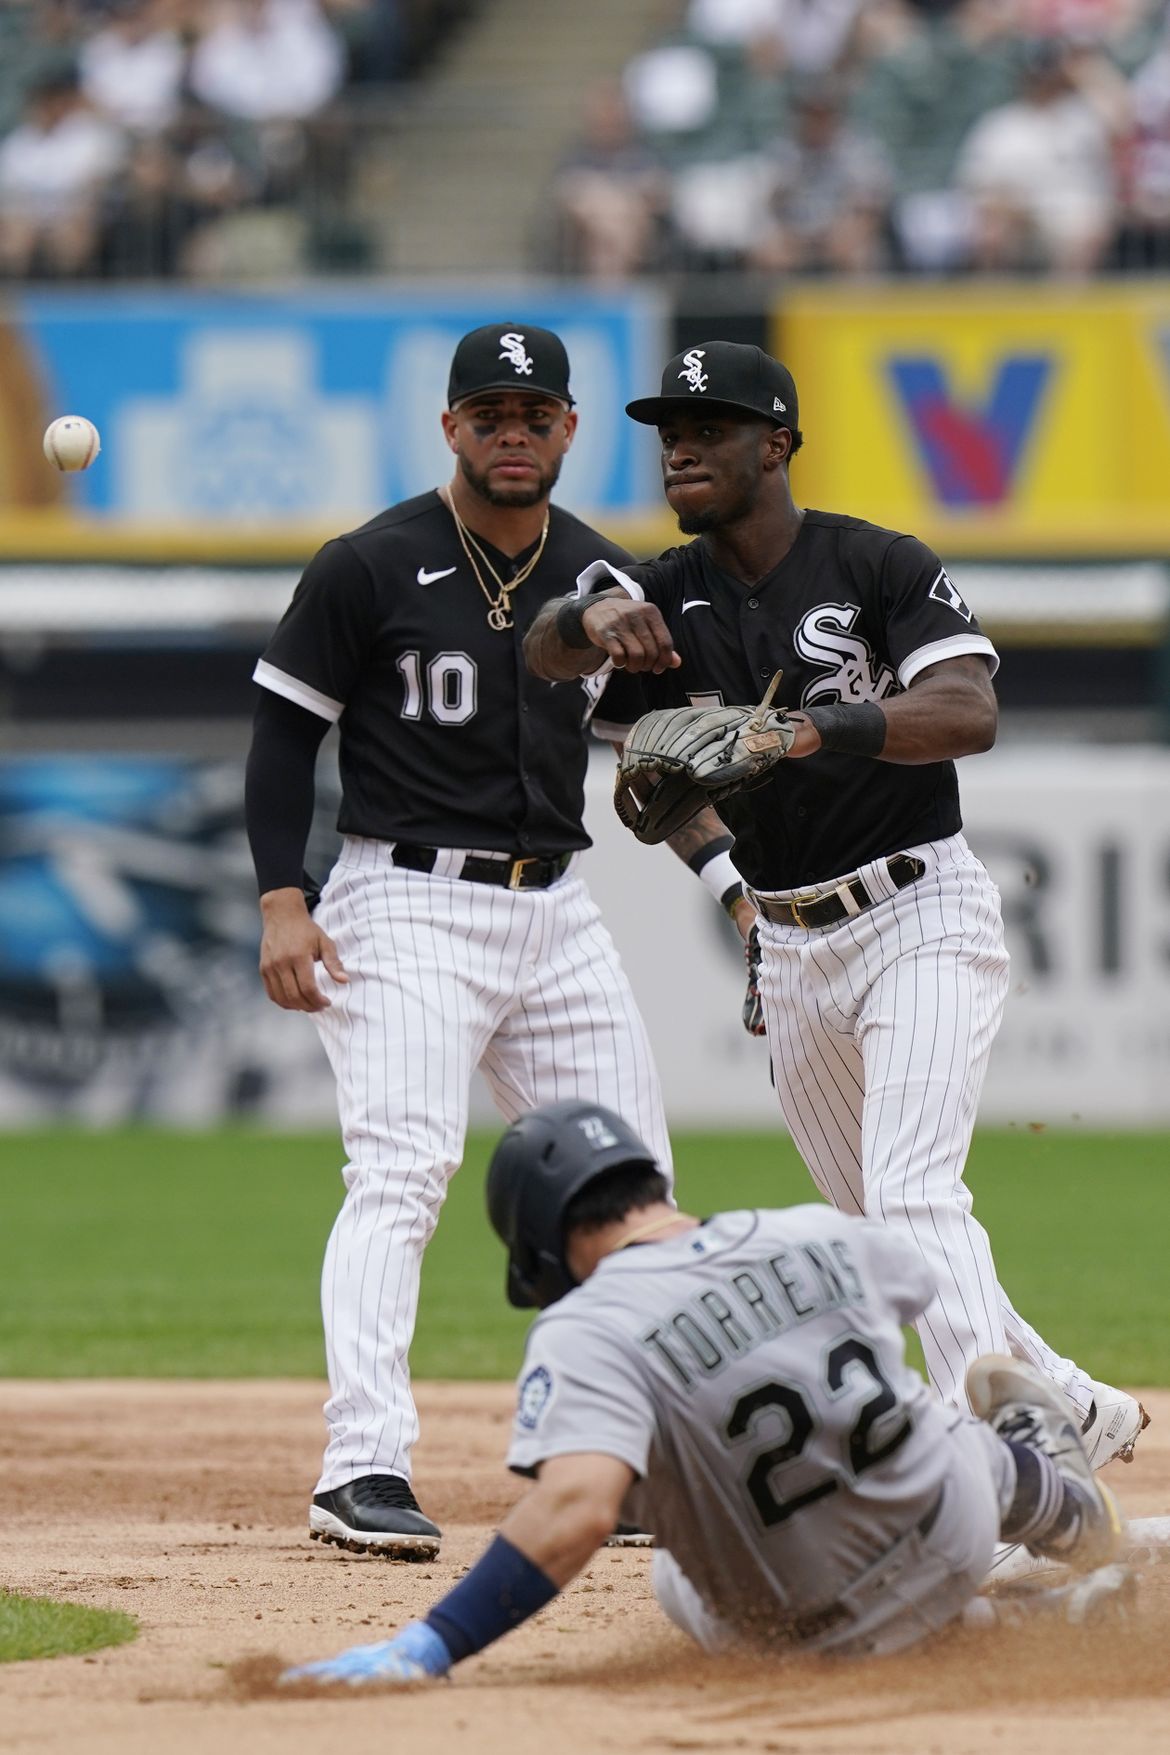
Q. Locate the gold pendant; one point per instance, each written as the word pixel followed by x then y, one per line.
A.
pixel 498 617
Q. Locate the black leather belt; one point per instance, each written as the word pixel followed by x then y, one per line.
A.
pixel 514 873
pixel 816 909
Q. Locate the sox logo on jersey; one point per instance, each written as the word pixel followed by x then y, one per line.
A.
pixel 822 636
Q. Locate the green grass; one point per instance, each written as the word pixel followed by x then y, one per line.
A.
pixel 37 1627
pixel 150 1253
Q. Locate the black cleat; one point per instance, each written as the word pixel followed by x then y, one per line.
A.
pixel 377 1514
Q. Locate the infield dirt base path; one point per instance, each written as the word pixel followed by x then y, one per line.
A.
pixel 184 1503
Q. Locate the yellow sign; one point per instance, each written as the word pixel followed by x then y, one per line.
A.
pixel 1029 417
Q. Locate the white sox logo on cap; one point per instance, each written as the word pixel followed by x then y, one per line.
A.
pixel 693 371
pixel 512 350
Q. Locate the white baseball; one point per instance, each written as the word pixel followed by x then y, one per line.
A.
pixel 72 442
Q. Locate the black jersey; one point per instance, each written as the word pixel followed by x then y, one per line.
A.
pixel 447 740
pixel 852 613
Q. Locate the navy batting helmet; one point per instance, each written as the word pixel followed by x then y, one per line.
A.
pixel 540 1163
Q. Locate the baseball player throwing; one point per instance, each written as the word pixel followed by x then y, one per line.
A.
pixel 739 1386
pixel 883 969
pixel 454 930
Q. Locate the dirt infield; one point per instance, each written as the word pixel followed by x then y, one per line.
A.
pixel 184 1503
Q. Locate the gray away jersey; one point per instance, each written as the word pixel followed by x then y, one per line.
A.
pixel 752 1374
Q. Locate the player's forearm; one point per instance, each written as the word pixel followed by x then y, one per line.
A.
pixel 946 713
pixel 549 655
pixel 560 1525
pixel 704 845
pixel 279 791
pixel 941 718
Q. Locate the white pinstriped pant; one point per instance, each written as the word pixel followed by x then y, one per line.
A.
pixel 880 1030
pixel 446 975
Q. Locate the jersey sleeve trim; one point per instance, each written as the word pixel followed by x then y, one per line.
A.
pixel 609 732
pixel 526 1461
pixel 293 689
pixel 955 647
pixel 597 571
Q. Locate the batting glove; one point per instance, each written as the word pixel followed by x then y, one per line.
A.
pixel 411 1656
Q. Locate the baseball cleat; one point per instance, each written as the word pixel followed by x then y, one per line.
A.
pixel 1113 1426
pixel 377 1514
pixel 628 1535
pixel 1023 1407
pixel 1107 1594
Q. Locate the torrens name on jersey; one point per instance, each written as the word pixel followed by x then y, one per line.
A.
pixel 823 638
pixel 776 1293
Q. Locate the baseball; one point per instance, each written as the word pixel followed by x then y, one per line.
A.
pixel 72 442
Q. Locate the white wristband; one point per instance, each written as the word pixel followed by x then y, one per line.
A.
pixel 720 875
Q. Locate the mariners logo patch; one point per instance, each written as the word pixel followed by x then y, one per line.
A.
pixel 944 592
pixel 535 1395
pixel 512 350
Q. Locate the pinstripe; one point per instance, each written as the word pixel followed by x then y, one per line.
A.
pixel 534 993
pixel 881 1029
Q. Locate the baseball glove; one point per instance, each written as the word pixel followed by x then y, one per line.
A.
pixel 677 759
pixel 753 1005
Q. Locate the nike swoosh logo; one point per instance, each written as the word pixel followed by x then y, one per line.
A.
pixel 696 603
pixel 425 578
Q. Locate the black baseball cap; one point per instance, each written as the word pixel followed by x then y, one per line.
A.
pixel 510 356
pixel 726 374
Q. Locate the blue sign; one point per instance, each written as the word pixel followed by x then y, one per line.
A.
pixel 273 408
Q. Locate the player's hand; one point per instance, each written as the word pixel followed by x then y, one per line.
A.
pixel 414 1655
pixel 633 634
pixel 290 946
pixel 807 740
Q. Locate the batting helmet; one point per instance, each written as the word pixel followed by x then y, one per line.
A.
pixel 540 1163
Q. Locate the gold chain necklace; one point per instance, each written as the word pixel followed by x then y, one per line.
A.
pixel 500 606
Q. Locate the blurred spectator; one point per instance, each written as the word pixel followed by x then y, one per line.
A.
pixel 673 89
pixel 1143 239
pixel 374 36
pixel 920 94
pixel 812 34
pixel 828 211
pixel 52 169
pixel 1039 170
pixel 610 193
pixel 265 60
pixel 37 37
pixel 133 68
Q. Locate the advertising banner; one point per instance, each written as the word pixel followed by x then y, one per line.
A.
pixel 986 417
pixel 319 409
pixel 129 928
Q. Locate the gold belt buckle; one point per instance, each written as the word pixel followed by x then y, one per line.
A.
pixel 796 903
pixel 517 867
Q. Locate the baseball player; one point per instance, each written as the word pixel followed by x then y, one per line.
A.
pixel 455 930
pixel 740 1387
pixel 883 971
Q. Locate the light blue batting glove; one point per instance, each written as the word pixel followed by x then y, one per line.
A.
pixel 411 1656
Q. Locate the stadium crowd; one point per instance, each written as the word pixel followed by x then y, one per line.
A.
pixel 878 136
pixel 146 138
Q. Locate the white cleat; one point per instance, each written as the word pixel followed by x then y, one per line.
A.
pixel 1108 1594
pixel 1023 1407
pixel 1116 1421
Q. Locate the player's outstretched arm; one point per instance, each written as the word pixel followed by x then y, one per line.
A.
pixel 543 1542
pixel 948 711
pixel 573 636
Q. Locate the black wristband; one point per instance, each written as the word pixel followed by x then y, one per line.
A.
pixel 709 851
pixel 850 731
pixel 568 623
pixel 731 895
